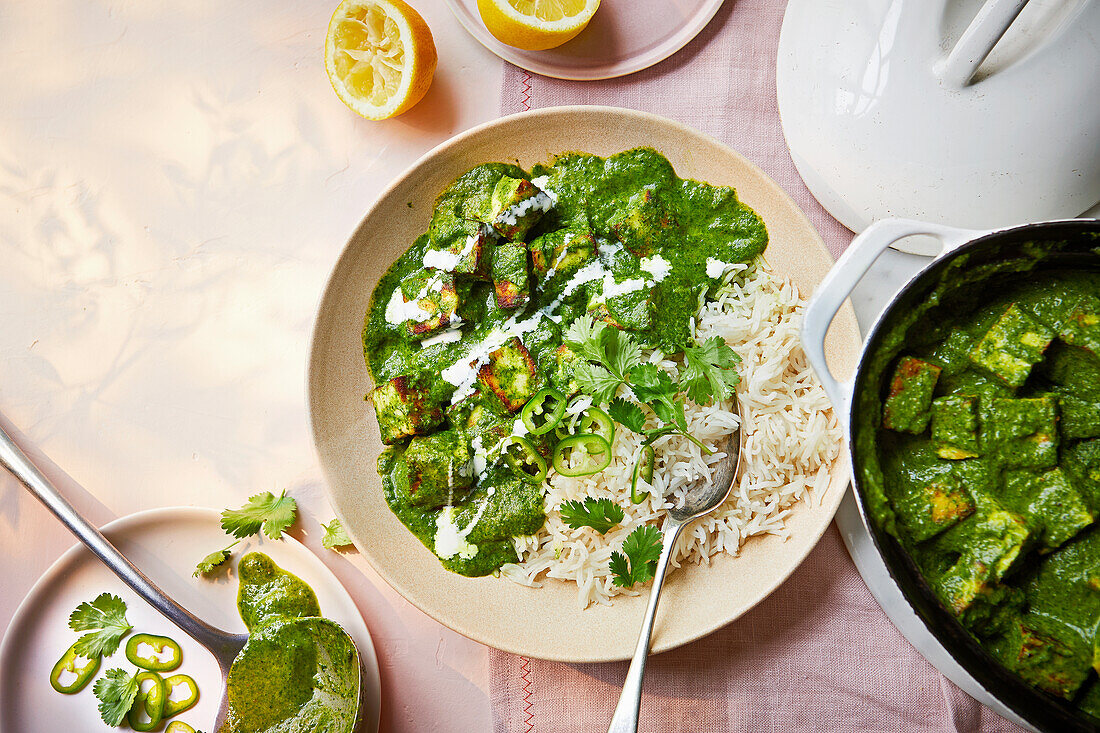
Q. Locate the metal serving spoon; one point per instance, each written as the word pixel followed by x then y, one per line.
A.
pixel 224 646
pixel 703 498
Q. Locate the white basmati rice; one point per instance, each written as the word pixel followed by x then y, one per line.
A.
pixel 792 440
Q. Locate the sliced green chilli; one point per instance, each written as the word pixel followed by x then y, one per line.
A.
pixel 150 658
pixel 178 726
pixel 523 458
pixel 644 468
pixel 73 672
pixel 595 452
pixel 174 705
pixel 544 411
pixel 148 708
pixel 591 420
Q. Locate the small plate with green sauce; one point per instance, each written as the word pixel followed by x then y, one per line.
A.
pixel 666 169
pixel 286 580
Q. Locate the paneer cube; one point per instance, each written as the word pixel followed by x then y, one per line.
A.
pixel 1082 328
pixel 510 276
pixel 626 305
pixel 1021 432
pixel 930 508
pixel 996 542
pixel 1082 465
pixel 431 302
pixel 955 427
pixel 461 247
pixel 1079 418
pixel 560 253
pixel 517 205
pixel 434 469
pixel 510 376
pixel 1050 503
pixel 405 408
pixel 1044 660
pixel 1013 345
pixel 1074 315
pixel 907 407
pixel 644 223
pixel 562 366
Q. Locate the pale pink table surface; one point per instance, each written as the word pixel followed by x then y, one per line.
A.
pixel 176 182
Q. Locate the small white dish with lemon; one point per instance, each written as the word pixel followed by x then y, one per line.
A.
pixel 623 36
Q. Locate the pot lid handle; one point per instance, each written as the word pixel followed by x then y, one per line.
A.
pixel 991 22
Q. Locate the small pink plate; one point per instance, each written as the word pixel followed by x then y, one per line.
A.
pixel 624 36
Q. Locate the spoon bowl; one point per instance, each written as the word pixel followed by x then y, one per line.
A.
pixel 699 500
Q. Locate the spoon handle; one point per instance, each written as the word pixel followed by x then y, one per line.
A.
pixel 625 719
pixel 221 644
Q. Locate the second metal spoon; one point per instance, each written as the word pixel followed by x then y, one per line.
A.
pixel 703 498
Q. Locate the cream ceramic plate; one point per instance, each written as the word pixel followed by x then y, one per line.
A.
pixel 623 36
pixel 546 622
pixel 165 544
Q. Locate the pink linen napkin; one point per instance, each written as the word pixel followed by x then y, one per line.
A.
pixel 818 654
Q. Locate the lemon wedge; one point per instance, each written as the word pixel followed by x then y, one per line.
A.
pixel 535 25
pixel 379 56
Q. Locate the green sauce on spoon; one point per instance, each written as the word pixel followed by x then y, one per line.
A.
pixel 298 673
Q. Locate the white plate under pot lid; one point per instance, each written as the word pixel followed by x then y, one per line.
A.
pixel 890 110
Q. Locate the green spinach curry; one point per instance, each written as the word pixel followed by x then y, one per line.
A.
pixel 298 671
pixel 465 329
pixel 979 449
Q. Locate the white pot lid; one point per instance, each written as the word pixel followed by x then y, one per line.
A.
pixel 883 120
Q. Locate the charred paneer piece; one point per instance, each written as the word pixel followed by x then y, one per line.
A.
pixel 1043 659
pixel 932 507
pixel 1012 346
pixel 436 300
pixel 996 540
pixel 955 427
pixel 1078 418
pixel 517 205
pixel 1051 504
pixel 405 408
pixel 511 286
pixel 644 223
pixel 560 253
pixel 510 376
pixel 629 306
pixel 462 247
pixel 907 407
pixel 1021 432
pixel 434 469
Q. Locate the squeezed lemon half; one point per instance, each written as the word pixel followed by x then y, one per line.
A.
pixel 379 56
pixel 536 25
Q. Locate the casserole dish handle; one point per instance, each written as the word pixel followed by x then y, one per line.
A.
pixel 845 275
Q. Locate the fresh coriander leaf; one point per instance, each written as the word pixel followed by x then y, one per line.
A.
pixel 212 561
pixel 627 414
pixel 642 548
pixel 116 691
pixel 650 382
pixel 597 382
pixel 620 351
pixel 105 618
pixel 583 336
pixel 663 411
pixel 335 535
pixel 709 371
pixel 599 514
pixel 273 513
pixel 679 419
